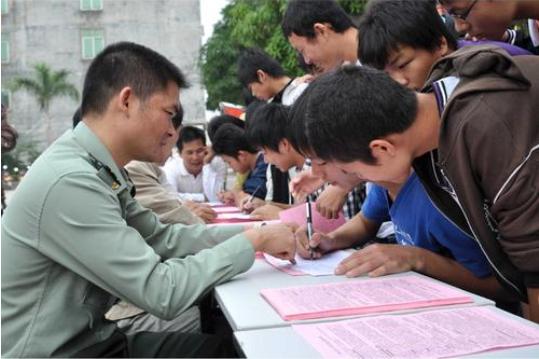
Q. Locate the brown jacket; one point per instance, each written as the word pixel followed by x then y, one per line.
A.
pixel 489 153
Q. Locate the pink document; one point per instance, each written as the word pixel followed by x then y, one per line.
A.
pixel 298 214
pixel 431 334
pixel 361 296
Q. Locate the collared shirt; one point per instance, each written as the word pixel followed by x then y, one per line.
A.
pixel 74 240
pixel 200 188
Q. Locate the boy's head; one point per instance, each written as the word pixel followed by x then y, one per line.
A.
pixel 311 27
pixel 484 20
pixel 300 142
pixel 268 130
pixel 355 116
pixel 231 144
pixel 404 38
pixel 217 121
pixel 192 148
pixel 257 72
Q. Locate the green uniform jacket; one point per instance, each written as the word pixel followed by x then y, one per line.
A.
pixel 74 240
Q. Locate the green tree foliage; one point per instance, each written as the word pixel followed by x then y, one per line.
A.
pixel 45 86
pixel 248 23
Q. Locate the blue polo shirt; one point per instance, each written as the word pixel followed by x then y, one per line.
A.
pixel 418 223
pixel 255 184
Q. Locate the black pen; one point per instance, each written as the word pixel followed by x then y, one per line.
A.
pixel 309 225
pixel 253 194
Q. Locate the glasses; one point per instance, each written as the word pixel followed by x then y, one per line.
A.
pixel 462 14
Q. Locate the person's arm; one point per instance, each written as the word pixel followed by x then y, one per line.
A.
pixel 331 201
pixel 356 231
pixel 155 196
pixel 139 259
pixel 382 259
pixel 304 183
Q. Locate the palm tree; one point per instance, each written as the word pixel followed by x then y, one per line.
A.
pixel 45 86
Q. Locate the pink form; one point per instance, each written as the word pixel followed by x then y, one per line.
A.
pixel 432 334
pixel 361 296
pixel 298 214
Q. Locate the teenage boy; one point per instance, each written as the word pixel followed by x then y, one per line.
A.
pixel 231 144
pixel 74 240
pixel 473 138
pixel 392 37
pixel 482 19
pixel 322 32
pixel 266 79
pixel 186 172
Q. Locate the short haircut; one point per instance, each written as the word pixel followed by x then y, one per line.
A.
pixel 388 24
pixel 76 117
pixel 229 140
pixel 217 121
pixel 254 59
pixel 352 106
pixel 250 110
pixel 189 134
pixel 301 15
pixel 126 64
pixel 297 129
pixel 268 126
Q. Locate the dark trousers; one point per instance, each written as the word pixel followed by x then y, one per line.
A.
pixel 162 345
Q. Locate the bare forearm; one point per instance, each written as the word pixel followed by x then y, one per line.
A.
pixel 452 272
pixel 533 304
pixel 356 231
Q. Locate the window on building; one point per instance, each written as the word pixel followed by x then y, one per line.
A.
pixel 92 43
pixel 6 98
pixel 5 48
pixel 91 5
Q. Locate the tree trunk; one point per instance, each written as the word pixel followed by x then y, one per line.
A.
pixel 48 128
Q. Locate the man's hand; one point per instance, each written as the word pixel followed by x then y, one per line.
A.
pixel 248 203
pixel 331 201
pixel 381 259
pixel 202 210
pixel 266 212
pixel 277 240
pixel 304 184
pixel 226 197
pixel 320 243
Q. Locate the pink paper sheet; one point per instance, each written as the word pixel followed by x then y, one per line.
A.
pixel 361 296
pixel 298 214
pixel 431 334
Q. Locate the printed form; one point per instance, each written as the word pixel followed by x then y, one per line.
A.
pixel 361 296
pixel 433 334
pixel 317 267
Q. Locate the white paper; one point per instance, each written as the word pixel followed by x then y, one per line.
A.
pixel 316 267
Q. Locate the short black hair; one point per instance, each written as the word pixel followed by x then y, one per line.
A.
pixel 297 133
pixel 250 110
pixel 126 64
pixel 76 117
pixel 301 15
pixel 268 126
pixel 352 106
pixel 229 140
pixel 253 59
pixel 388 24
pixel 188 134
pixel 217 121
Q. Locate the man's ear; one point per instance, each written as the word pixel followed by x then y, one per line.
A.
pixel 443 48
pixel 261 75
pixel 321 29
pixel 125 99
pixel 284 146
pixel 381 148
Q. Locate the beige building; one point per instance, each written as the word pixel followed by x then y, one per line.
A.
pixel 67 34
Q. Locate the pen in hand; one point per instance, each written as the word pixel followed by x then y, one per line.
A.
pixel 309 225
pixel 250 199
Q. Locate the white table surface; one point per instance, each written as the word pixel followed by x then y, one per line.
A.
pixel 284 342
pixel 246 309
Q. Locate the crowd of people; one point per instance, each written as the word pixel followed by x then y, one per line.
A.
pixel 418 124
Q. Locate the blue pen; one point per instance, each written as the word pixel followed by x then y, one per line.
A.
pixel 309 225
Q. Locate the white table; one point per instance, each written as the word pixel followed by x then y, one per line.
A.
pixel 246 309
pixel 284 342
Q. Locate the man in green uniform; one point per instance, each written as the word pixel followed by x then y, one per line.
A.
pixel 74 239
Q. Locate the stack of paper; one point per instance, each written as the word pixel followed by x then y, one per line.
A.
pixel 317 267
pixel 361 296
pixel 430 334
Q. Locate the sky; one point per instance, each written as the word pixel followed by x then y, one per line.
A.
pixel 210 14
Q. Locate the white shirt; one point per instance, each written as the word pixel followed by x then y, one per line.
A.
pixel 200 188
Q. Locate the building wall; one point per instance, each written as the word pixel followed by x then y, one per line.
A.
pixel 50 31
